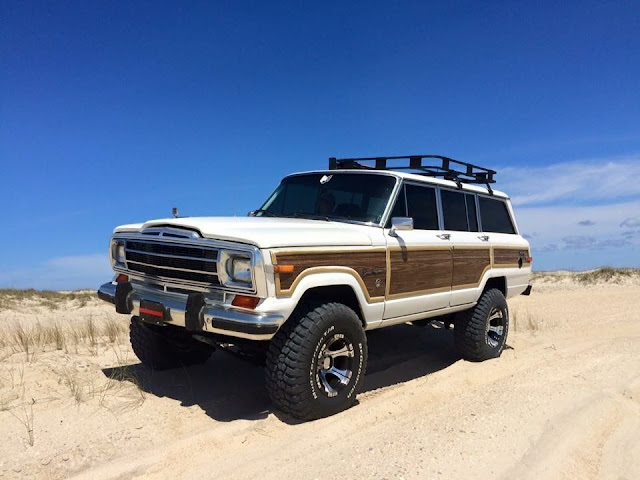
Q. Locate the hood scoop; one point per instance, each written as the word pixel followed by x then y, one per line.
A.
pixel 170 232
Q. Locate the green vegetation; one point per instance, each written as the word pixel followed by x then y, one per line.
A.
pixel 10 297
pixel 601 275
pixel 608 275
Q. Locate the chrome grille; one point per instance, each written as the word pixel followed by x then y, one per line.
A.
pixel 190 263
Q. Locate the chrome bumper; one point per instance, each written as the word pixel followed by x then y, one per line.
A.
pixel 213 318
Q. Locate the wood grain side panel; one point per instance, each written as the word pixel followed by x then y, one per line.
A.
pixel 509 256
pixel 371 266
pixel 419 270
pixel 469 264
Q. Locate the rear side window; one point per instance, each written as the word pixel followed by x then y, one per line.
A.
pixel 454 210
pixel 459 210
pixel 421 206
pixel 495 216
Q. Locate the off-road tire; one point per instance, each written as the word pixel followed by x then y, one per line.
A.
pixel 473 340
pixel 162 348
pixel 298 353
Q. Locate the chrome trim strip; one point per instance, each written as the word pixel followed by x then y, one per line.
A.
pixel 166 282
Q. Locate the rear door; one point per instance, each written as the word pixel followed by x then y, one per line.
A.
pixel 419 261
pixel 471 254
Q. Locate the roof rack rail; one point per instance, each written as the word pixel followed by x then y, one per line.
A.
pixel 448 168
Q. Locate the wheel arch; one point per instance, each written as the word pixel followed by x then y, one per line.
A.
pixel 499 283
pixel 333 293
pixel 342 287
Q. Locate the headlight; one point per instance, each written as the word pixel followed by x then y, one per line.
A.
pixel 234 269
pixel 240 270
pixel 117 252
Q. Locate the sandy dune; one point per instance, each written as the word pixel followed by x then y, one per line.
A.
pixel 562 402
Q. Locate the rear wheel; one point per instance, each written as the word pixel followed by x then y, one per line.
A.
pixel 316 362
pixel 481 332
pixel 166 347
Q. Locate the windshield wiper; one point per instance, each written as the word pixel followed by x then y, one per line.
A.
pixel 264 212
pixel 310 216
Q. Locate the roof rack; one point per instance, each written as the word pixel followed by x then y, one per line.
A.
pixel 448 168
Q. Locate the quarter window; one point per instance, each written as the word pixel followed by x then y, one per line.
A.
pixel 421 206
pixel 399 209
pixel 495 216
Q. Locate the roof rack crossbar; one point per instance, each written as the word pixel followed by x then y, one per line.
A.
pixel 449 168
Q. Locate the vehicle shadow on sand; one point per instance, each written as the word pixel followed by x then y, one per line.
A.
pixel 228 388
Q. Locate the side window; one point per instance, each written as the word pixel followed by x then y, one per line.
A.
pixel 495 216
pixel 399 209
pixel 421 206
pixel 472 217
pixel 454 210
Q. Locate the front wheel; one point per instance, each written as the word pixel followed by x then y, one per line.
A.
pixel 481 332
pixel 316 362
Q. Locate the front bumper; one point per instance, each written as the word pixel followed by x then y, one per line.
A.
pixel 193 311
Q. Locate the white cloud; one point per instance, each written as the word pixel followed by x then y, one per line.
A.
pixel 631 222
pixel 555 229
pixel 572 182
pixel 61 273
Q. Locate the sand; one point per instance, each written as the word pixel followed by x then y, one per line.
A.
pixel 563 401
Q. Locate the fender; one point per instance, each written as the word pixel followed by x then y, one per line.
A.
pixel 372 308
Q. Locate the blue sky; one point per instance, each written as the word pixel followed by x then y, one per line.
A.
pixel 112 113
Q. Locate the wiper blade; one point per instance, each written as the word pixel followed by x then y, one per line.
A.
pixel 311 216
pixel 264 212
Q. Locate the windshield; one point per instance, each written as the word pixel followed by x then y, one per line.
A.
pixel 358 197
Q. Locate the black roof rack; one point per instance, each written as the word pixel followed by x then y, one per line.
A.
pixel 448 168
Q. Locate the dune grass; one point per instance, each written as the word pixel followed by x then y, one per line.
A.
pixel 603 275
pixel 12 297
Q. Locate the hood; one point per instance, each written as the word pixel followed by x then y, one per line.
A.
pixel 267 232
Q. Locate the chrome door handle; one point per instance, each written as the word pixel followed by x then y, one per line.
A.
pixel 444 236
pixel 484 238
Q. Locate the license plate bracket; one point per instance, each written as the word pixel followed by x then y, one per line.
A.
pixel 152 312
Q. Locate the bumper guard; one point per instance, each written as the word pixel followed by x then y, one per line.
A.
pixel 205 316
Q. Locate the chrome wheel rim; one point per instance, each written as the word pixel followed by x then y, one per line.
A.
pixel 334 367
pixel 495 327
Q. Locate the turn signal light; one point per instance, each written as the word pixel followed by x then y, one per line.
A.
pixel 122 278
pixel 245 301
pixel 529 259
pixel 283 268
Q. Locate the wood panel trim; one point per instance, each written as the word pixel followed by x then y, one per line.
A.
pixel 343 265
pixel 506 256
pixel 502 253
pixel 417 292
pixel 475 273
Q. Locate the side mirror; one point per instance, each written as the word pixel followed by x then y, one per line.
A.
pixel 252 213
pixel 400 223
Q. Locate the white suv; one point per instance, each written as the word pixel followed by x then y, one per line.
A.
pixel 330 255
